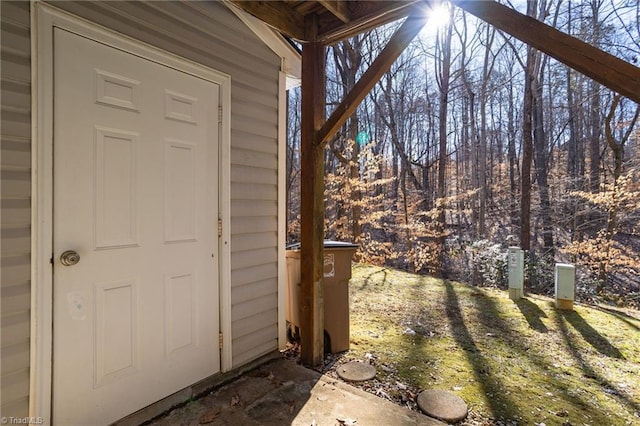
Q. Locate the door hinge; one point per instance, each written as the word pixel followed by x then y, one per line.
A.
pixel 219 228
pixel 220 340
pixel 219 114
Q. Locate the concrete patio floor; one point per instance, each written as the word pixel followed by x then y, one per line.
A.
pixel 282 392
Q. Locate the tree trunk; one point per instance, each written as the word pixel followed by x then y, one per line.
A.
pixel 541 155
pixel 594 141
pixel 541 144
pixel 482 154
pixel 527 143
pixel 513 160
pixel 595 118
pixel 445 73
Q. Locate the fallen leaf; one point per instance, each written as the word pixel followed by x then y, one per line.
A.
pixel 235 400
pixel 383 394
pixel 347 421
pixel 292 406
pixel 274 380
pixel 209 416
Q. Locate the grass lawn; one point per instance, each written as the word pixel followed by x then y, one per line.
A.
pixel 513 363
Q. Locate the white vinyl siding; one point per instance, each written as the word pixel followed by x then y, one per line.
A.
pixel 204 32
pixel 15 205
pixel 210 34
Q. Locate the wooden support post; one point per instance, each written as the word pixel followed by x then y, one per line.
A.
pixel 315 133
pixel 312 200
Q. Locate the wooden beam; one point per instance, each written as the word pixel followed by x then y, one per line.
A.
pixel 338 8
pixel 597 64
pixel 375 14
pixel 277 14
pixel 312 200
pixel 396 45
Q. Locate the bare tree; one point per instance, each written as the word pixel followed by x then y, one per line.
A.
pixel 444 73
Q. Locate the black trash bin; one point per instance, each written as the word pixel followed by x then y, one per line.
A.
pixel 337 273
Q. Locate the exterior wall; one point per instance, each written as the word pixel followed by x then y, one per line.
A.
pixel 15 205
pixel 210 34
pixel 207 33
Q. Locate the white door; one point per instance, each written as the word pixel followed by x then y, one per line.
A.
pixel 136 196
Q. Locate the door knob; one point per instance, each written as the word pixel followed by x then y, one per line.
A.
pixel 69 257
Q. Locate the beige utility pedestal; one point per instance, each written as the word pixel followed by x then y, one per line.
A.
pixel 565 286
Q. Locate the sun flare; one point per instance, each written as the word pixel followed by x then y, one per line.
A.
pixel 438 16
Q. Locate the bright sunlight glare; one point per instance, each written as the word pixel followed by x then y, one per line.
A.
pixel 437 17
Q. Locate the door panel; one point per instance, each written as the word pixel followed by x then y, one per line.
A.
pixel 136 196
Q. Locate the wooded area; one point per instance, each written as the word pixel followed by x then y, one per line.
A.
pixel 473 142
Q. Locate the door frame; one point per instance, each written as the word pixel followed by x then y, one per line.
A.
pixel 43 20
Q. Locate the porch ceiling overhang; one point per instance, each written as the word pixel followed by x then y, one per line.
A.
pixel 337 19
pixel 341 19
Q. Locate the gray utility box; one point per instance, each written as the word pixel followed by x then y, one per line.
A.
pixel 337 273
pixel 516 273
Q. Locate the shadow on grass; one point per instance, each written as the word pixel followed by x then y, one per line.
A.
pixel 521 357
pixel 494 349
pixel 622 316
pixel 536 357
pixel 591 335
pixel 498 401
pixel 587 370
pixel 369 279
pixel 533 314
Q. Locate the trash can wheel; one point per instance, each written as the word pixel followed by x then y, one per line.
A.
pixel 327 342
pixel 293 333
pixel 293 336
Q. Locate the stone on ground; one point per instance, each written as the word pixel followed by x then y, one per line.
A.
pixel 356 371
pixel 443 405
